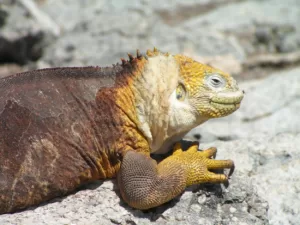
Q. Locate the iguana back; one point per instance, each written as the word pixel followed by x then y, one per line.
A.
pixel 51 132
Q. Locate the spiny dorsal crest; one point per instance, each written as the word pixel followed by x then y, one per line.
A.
pixel 133 60
pixel 155 52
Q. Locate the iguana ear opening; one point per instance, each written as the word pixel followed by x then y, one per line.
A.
pixel 181 92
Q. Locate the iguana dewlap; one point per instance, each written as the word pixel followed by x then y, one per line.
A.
pixel 63 127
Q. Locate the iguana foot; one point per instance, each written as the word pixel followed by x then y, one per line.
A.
pixel 198 164
pixel 145 184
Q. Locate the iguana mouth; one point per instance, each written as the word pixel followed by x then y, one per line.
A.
pixel 228 98
pixel 226 102
pixel 229 107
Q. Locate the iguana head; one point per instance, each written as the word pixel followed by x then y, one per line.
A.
pixel 211 92
pixel 207 91
pixel 176 94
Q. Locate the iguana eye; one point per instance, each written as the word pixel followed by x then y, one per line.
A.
pixel 180 92
pixel 216 81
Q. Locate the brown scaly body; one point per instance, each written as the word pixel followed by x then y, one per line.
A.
pixel 63 127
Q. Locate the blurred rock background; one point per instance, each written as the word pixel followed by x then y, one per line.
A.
pixel 258 41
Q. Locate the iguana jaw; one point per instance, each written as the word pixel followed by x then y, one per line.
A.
pixel 228 98
pixel 224 103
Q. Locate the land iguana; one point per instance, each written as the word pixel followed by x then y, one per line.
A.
pixel 63 127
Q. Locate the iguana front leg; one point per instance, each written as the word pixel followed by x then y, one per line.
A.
pixel 145 184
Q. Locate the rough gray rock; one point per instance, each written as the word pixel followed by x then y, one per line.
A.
pixel 20 42
pixel 99 32
pixel 271 164
pixel 3 16
pixel 255 26
pixel 96 32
